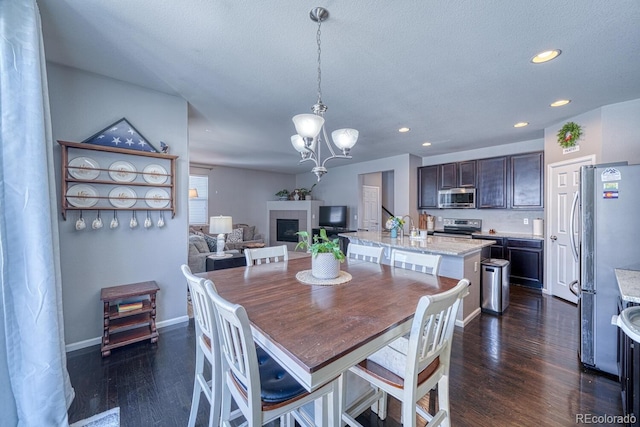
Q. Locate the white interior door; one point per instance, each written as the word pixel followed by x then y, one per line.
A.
pixel 562 267
pixel 371 207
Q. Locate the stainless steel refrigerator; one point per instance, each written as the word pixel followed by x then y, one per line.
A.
pixel 607 226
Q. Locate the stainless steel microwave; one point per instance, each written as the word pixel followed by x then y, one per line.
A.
pixel 457 198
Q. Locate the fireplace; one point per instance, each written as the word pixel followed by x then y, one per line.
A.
pixel 286 230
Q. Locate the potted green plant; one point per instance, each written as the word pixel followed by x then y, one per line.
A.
pixel 283 194
pixel 326 255
pixel 305 193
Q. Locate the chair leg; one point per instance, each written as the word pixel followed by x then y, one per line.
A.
pixel 195 398
pixel 225 407
pixel 382 406
pixel 443 399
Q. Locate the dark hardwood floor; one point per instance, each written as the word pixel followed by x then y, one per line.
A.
pixel 517 369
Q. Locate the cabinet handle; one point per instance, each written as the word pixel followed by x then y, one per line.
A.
pixel 554 238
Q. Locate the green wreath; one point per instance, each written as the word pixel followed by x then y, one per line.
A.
pixel 569 134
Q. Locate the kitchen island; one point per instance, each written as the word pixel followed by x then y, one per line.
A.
pixel 460 259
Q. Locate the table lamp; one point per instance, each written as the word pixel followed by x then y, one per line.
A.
pixel 220 225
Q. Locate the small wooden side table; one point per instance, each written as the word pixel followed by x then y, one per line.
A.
pixel 122 328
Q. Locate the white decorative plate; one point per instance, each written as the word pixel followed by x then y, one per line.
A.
pixel 157 198
pixel 122 171
pixel 155 174
pixel 122 197
pixel 82 195
pixel 84 168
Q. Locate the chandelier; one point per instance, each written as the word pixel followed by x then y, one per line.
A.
pixel 310 127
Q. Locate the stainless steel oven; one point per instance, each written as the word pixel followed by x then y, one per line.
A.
pixel 460 228
pixel 457 198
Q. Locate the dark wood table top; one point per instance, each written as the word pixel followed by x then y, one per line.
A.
pixel 326 327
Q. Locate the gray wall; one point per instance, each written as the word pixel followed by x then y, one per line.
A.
pixel 340 186
pixel 612 133
pixel 82 104
pixel 243 193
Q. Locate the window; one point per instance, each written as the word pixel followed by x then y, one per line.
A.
pixel 199 206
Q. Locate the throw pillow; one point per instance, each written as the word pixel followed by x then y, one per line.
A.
pixel 248 232
pixel 212 242
pixel 235 236
pixel 199 243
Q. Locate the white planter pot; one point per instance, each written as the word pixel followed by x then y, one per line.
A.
pixel 325 266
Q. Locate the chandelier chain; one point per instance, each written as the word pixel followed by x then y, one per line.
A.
pixel 319 63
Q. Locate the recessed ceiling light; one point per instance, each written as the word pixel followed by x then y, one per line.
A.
pixel 560 102
pixel 426 144
pixel 545 56
pixel 403 130
pixel 521 124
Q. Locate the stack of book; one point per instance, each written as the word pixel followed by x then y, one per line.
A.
pixel 130 306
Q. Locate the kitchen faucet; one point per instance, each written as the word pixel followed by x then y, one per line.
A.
pixel 410 226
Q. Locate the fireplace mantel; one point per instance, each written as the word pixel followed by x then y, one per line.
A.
pixel 306 211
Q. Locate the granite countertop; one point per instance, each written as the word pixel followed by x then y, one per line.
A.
pixel 511 234
pixel 629 284
pixel 434 244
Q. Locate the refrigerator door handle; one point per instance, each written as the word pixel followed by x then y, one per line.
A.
pixel 572 223
pixel 574 287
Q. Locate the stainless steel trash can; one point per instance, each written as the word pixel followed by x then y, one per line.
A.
pixel 495 285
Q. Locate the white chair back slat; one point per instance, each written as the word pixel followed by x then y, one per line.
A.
pixel 266 255
pixel 365 253
pixel 425 263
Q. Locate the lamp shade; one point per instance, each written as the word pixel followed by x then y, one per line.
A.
pixel 344 138
pixel 308 125
pixel 220 224
pixel 193 193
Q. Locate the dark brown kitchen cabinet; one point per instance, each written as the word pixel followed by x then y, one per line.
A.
pixel 455 175
pixel 467 174
pixel 527 181
pixel 496 250
pixel 492 183
pixel 527 260
pixel 428 187
pixel 449 175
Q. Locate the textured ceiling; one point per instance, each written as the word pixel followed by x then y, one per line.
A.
pixel 456 72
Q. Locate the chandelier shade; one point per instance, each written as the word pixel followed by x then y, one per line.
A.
pixel 310 128
pixel 308 125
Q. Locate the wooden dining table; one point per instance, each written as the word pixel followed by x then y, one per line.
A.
pixel 317 332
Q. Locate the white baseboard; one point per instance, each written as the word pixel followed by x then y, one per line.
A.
pixel 462 323
pixel 96 341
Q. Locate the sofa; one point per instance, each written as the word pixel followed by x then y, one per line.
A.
pixel 202 244
pixel 199 250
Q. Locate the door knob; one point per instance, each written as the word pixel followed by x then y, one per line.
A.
pixel 554 238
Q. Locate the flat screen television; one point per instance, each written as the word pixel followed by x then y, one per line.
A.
pixel 333 216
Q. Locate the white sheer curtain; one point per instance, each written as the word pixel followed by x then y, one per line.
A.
pixel 34 384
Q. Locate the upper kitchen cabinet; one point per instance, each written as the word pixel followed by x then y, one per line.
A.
pixel 428 187
pixel 527 181
pixel 467 174
pixel 449 175
pixel 461 174
pixel 492 183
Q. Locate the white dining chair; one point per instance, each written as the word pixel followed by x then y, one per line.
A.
pixel 207 347
pixel 266 255
pixel 261 388
pixel 365 253
pixel 426 263
pixel 412 367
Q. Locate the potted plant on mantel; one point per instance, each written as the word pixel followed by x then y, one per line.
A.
pixel 326 255
pixel 283 194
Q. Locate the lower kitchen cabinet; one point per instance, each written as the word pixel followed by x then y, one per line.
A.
pixel 527 260
pixel 497 250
